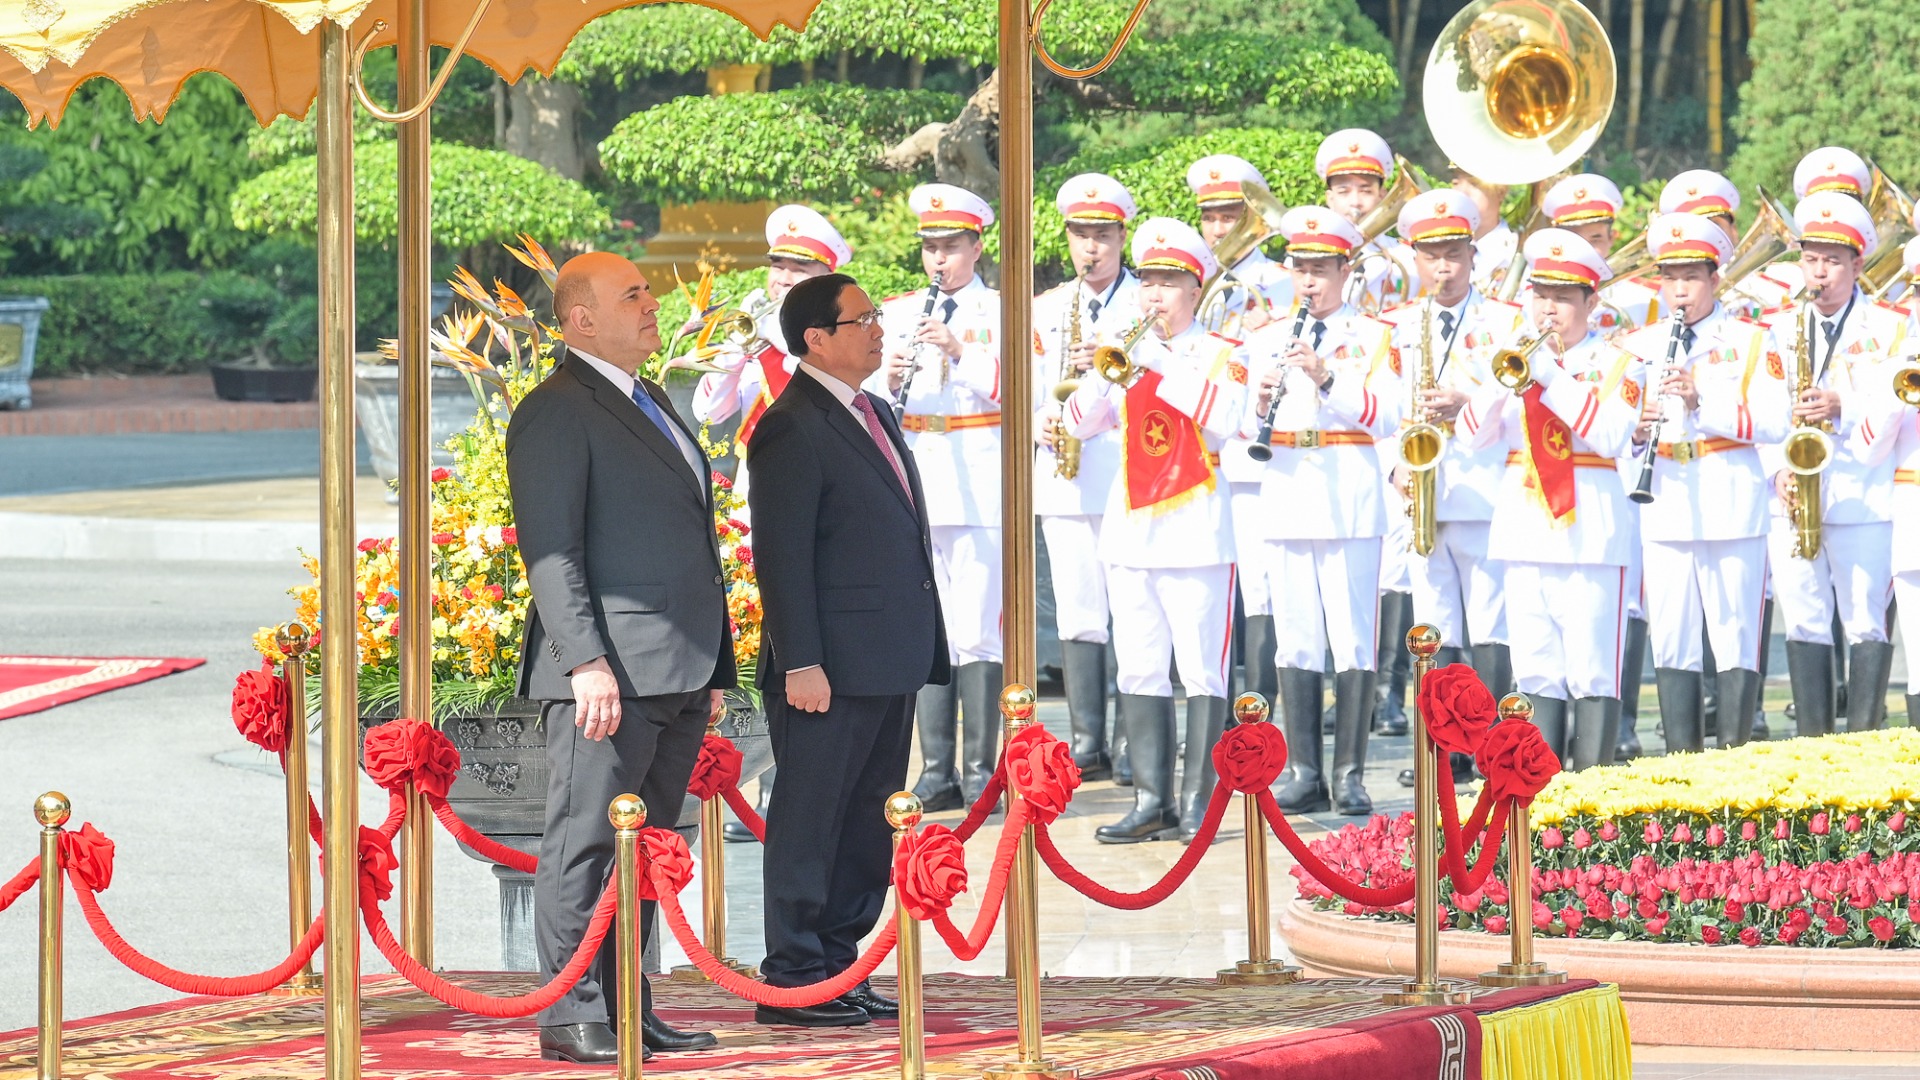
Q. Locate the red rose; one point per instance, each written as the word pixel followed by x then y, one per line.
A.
pixel 1717 836
pixel 1458 708
pixel 1837 926
pixel 261 708
pixel 405 751
pixel 1609 831
pixel 1657 925
pixel 1647 909
pixel 1496 924
pixel 1571 917
pixel 1734 911
pixel 716 770
pixel 440 474
pixel 442 539
pixel 1782 829
pixel 1881 927
pixel 1599 907
pixel 1552 838
pixel 930 869
pixel 1897 822
pixel 87 856
pixel 1819 825
pixel 1249 757
pixel 1516 761
pixel 509 535
pixel 666 856
pixel 1653 832
pixel 1710 935
pixel 1582 839
pixel 1683 834
pixel 1542 916
pixel 1789 934
pixel 1749 831
pixel 1750 937
pixel 1852 824
pixel 1040 770
pixel 368 544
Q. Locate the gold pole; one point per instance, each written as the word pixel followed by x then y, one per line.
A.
pixel 1259 968
pixel 294 642
pixel 1016 321
pixel 416 553
pixel 52 811
pixel 904 813
pixel 1023 924
pixel 628 814
pixel 1523 969
pixel 1425 988
pixel 713 884
pixel 339 659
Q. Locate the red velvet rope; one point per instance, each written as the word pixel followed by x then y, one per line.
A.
pixel 465 1000
pixel 1175 877
pixel 185 982
pixel 20 884
pixel 1391 896
pixel 489 848
pixel 969 945
pixel 1456 844
pixel 748 816
pixel 781 997
pixel 984 806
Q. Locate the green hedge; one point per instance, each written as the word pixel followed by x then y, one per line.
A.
pixel 114 322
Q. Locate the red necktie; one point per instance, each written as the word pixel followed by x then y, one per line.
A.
pixel 865 408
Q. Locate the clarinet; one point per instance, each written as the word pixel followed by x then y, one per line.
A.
pixel 906 383
pixel 1643 490
pixel 1262 448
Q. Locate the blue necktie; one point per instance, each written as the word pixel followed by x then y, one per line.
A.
pixel 652 409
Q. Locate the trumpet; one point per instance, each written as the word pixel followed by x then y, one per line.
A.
pixel 906 383
pixel 1513 366
pixel 1066 448
pixel 1115 362
pixel 1643 490
pixel 1906 386
pixel 1422 443
pixel 1809 449
pixel 1262 448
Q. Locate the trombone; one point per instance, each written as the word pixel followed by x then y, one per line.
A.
pixel 1257 224
pixel 1115 362
pixel 1513 365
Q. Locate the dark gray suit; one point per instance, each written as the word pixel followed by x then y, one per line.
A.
pixel 616 530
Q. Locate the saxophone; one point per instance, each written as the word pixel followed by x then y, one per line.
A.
pixel 1422 444
pixel 1809 449
pixel 1066 448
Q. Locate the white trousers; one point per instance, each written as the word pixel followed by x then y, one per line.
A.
pixel 1853 574
pixel 1396 551
pixel 1079 577
pixel 966 570
pixel 1331 595
pixel 1249 532
pixel 1459 591
pixel 1906 590
pixel 1172 617
pixel 1713 585
pixel 1564 628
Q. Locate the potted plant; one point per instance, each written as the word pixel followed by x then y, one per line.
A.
pixel 19 329
pixel 268 334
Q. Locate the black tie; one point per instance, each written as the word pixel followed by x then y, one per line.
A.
pixel 947 308
pixel 1446 324
pixel 1831 327
pixel 1319 331
pixel 1093 311
pixel 1686 340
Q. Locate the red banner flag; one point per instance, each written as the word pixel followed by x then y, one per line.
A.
pixel 1164 457
pixel 774 377
pixel 1549 457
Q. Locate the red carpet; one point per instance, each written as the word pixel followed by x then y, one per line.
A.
pixel 1125 1029
pixel 29 684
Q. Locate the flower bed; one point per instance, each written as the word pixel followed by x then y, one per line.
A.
pixel 1805 842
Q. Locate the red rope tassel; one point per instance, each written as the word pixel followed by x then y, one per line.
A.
pixel 185 982
pixel 1146 898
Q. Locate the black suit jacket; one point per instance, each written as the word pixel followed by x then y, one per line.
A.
pixel 844 558
pixel 618 536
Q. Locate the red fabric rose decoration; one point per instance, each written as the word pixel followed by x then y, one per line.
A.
pixel 663 852
pixel 377 864
pixel 716 770
pixel 1250 757
pixel 1040 770
pixel 1458 708
pixel 930 869
pixel 261 708
pixel 406 750
pixel 1516 760
pixel 88 857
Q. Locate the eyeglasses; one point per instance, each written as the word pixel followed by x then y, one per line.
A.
pixel 866 322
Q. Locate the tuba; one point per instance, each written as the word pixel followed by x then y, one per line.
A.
pixel 1260 221
pixel 1770 236
pixel 1809 449
pixel 1892 211
pixel 1422 444
pixel 1375 222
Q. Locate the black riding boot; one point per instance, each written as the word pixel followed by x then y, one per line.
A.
pixel 1550 716
pixel 1810 670
pixel 1305 787
pixel 1259 642
pixel 1206 721
pixel 936 713
pixel 979 685
pixel 1680 709
pixel 1739 701
pixel 1083 673
pixel 1148 722
pixel 1596 731
pixel 1633 659
pixel 1353 697
pixel 1390 693
pixel 1871 664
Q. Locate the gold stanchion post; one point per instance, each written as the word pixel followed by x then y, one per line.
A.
pixel 1023 934
pixel 628 814
pixel 1523 969
pixel 1425 988
pixel 293 640
pixel 1259 968
pixel 52 811
pixel 904 813
pixel 713 884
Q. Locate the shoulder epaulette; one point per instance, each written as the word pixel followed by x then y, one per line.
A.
pixel 1889 305
pixel 1235 342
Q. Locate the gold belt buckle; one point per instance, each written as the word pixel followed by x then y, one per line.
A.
pixel 1685 452
pixel 936 425
pixel 1306 440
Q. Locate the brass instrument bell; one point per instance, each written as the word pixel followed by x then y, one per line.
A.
pixel 1115 362
pixel 1906 386
pixel 1513 366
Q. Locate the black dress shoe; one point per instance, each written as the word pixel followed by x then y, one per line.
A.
pixel 835 1013
pixel 942 800
pixel 868 1000
pixel 733 832
pixel 582 1044
pixel 656 1035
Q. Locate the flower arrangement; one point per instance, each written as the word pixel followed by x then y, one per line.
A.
pixel 1807 842
pixel 480 590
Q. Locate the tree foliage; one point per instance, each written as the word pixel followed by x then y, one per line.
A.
pixel 816 142
pixel 479 197
pixel 1311 83
pixel 1842 72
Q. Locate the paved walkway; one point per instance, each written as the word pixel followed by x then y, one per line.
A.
pixel 147 403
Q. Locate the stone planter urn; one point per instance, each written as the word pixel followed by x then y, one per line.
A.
pixel 19 331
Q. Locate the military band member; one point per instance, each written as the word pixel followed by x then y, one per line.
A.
pixel 1357 167
pixel 944 366
pixel 1557 521
pixel 1069 322
pixel 1588 205
pixel 1324 506
pixel 1710 195
pixel 1167 537
pixel 1704 533
pixel 1849 340
pixel 1891 433
pixel 1268 294
pixel 1494 242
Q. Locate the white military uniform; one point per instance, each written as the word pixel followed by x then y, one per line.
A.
pixel 1170 565
pixel 952 425
pixel 1071 510
pixel 1324 500
pixel 1242 472
pixel 1889 433
pixel 1492 254
pixel 1457 589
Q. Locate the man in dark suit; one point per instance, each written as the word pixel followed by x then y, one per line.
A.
pixel 628 643
pixel 852 631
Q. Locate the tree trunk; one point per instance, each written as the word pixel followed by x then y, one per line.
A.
pixel 1409 30
pixel 841 63
pixel 806 72
pixel 544 126
pixel 965 150
pixel 1669 37
pixel 1716 84
pixel 1636 46
pixel 499 114
pixel 916 73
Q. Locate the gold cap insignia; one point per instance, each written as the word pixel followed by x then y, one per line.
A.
pixel 1440 209
pixel 937 203
pixel 1580 193
pixel 1693 191
pixel 1213 174
pixel 1093 193
pixel 793 228
pixel 1353 148
pixel 1556 250
pixel 1677 231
